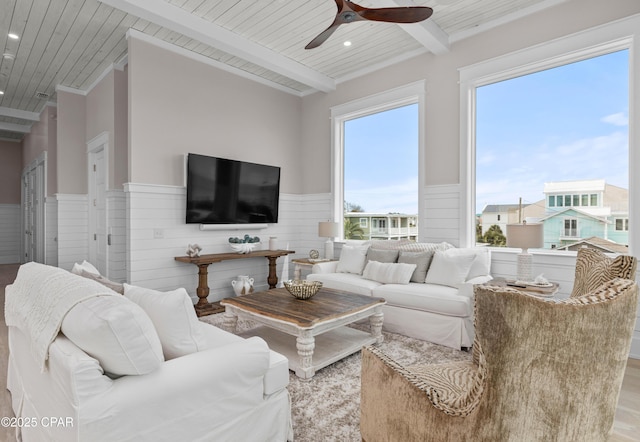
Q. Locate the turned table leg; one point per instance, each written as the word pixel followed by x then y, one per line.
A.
pixel 375 322
pixel 305 343
pixel 203 286
pixel 272 279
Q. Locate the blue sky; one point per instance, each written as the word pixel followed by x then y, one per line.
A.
pixel 566 123
pixel 381 161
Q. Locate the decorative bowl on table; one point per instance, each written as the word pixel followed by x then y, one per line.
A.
pixel 302 289
pixel 243 247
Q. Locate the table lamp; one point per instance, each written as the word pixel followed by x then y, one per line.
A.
pixel 525 236
pixel 329 230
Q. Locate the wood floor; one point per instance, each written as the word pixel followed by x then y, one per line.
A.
pixel 626 427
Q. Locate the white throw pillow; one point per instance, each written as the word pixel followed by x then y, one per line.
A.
pixel 481 264
pixel 352 259
pixel 389 272
pixel 449 270
pixel 174 318
pixel 86 266
pixel 117 333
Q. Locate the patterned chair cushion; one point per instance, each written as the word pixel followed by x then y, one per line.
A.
pixel 594 268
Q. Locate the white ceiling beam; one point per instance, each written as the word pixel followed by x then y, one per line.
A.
pixel 16 113
pixel 179 20
pixel 20 128
pixel 427 32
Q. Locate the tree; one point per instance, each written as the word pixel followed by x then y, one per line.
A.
pixel 352 229
pixel 494 236
pixel 352 207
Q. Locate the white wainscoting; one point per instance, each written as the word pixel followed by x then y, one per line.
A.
pixel 51 231
pixel 10 233
pixel 440 217
pixel 73 229
pixel 157 233
pixel 117 231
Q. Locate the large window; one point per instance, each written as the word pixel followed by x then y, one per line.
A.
pixel 377 156
pixel 560 131
pixel 608 138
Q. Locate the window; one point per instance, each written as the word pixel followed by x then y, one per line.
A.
pixel 377 148
pixel 622 224
pixel 379 224
pixel 364 223
pixel 585 200
pixel 570 227
pixel 575 113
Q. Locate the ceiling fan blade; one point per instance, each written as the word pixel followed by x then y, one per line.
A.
pixel 412 14
pixel 324 35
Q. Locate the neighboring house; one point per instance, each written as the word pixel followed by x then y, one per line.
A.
pixel 496 215
pixel 385 225
pixel 604 245
pixel 576 210
pixel 503 214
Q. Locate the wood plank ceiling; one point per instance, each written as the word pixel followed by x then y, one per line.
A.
pixel 72 43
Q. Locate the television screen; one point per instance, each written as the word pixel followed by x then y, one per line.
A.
pixel 222 191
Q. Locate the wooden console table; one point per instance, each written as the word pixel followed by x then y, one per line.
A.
pixel 204 307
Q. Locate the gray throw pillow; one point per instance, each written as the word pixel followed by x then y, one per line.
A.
pixel 381 255
pixel 422 260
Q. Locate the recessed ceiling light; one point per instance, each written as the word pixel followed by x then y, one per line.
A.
pixel 8 56
pixel 347 43
pixel 13 36
pixel 1 92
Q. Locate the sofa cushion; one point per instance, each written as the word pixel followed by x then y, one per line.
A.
pixel 117 333
pixel 382 255
pixel 388 272
pixel 425 246
pixel 388 244
pixel 352 259
pixel 422 260
pixel 481 265
pixel 433 298
pixel 115 286
pixel 449 270
pixel 174 318
pixel 345 281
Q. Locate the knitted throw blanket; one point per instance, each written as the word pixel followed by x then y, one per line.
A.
pixel 39 299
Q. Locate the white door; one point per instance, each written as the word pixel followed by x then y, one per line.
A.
pixel 33 220
pixel 98 211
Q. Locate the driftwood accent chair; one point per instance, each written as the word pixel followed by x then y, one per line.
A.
pixel 541 371
pixel 594 268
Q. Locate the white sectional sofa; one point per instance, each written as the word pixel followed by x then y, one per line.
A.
pixel 428 286
pixel 138 367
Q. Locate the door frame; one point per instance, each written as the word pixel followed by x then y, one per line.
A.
pixel 95 146
pixel 38 167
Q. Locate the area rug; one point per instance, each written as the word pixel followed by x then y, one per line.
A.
pixel 327 407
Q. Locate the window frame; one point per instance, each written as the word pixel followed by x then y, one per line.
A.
pixel 412 93
pixel 573 221
pixel 619 35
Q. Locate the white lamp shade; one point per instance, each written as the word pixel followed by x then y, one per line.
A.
pixel 525 236
pixel 328 229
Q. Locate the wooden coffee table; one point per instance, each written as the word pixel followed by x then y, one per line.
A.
pixel 311 333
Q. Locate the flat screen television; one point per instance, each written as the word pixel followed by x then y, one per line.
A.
pixel 223 191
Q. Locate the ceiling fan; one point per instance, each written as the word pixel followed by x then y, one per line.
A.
pixel 349 12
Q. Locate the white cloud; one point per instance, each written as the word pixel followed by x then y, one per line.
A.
pixel 617 119
pixel 524 175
